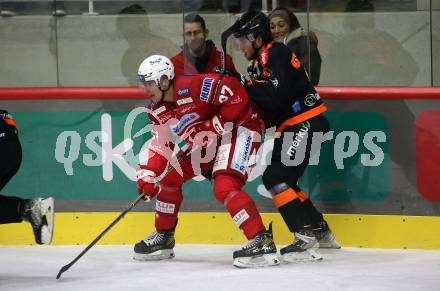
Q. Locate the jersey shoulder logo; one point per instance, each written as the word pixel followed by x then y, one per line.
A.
pixel 295 61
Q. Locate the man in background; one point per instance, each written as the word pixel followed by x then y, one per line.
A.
pixel 199 54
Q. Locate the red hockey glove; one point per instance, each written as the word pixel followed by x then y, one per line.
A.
pixel 146 183
pixel 204 133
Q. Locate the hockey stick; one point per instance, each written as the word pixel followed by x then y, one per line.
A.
pixel 130 207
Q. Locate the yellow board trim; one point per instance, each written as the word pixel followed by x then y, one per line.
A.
pixel 352 230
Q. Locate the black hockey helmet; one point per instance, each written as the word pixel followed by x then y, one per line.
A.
pixel 257 25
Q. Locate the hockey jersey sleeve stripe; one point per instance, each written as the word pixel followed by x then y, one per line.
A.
pixel 11 122
pixel 302 117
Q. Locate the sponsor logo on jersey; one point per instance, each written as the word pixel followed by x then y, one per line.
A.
pixel 205 92
pixel 241 217
pixel 186 120
pixel 264 57
pixel 183 92
pixel 242 151
pixel 184 101
pixel 236 100
pixel 165 207
pixel 222 157
pixel 296 107
pixel 299 137
pixel 187 108
pixel 310 100
pixel 159 110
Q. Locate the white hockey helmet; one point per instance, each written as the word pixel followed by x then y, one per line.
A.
pixel 154 68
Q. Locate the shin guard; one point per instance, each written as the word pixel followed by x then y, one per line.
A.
pixel 290 206
pixel 241 207
pixel 167 209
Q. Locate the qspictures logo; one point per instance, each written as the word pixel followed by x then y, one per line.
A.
pixel 78 150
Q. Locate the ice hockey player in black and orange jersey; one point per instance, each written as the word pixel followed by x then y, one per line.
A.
pixel 212 114
pixel 281 89
pixel 37 211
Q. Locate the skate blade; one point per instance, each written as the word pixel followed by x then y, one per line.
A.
pixel 266 260
pixel 46 230
pixel 329 242
pixel 329 245
pixel 310 255
pixel 156 256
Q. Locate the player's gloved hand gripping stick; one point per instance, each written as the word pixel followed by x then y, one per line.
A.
pixel 129 208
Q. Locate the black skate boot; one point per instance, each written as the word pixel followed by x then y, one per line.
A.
pixel 325 236
pixel 39 212
pixel 258 252
pixel 157 246
pixel 303 248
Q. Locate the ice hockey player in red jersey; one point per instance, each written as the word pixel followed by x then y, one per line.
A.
pixel 212 114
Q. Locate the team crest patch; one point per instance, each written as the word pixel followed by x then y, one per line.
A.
pixel 205 92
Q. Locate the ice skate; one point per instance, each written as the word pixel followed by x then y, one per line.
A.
pixel 157 246
pixel 303 248
pixel 258 252
pixel 39 212
pixel 326 237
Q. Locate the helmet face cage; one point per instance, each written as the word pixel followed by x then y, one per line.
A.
pixel 155 68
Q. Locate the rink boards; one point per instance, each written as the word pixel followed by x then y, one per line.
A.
pixel 375 178
pixel 365 231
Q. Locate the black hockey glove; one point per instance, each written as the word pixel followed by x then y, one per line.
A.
pixel 242 78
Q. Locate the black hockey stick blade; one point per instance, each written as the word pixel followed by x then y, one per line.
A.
pixel 130 207
pixel 64 269
pixel 187 152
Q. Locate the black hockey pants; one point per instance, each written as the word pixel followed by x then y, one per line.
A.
pixel 290 157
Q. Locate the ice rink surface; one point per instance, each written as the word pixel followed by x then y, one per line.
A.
pixel 209 267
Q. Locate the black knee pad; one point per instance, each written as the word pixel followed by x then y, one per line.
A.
pixel 272 176
pixel 277 174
